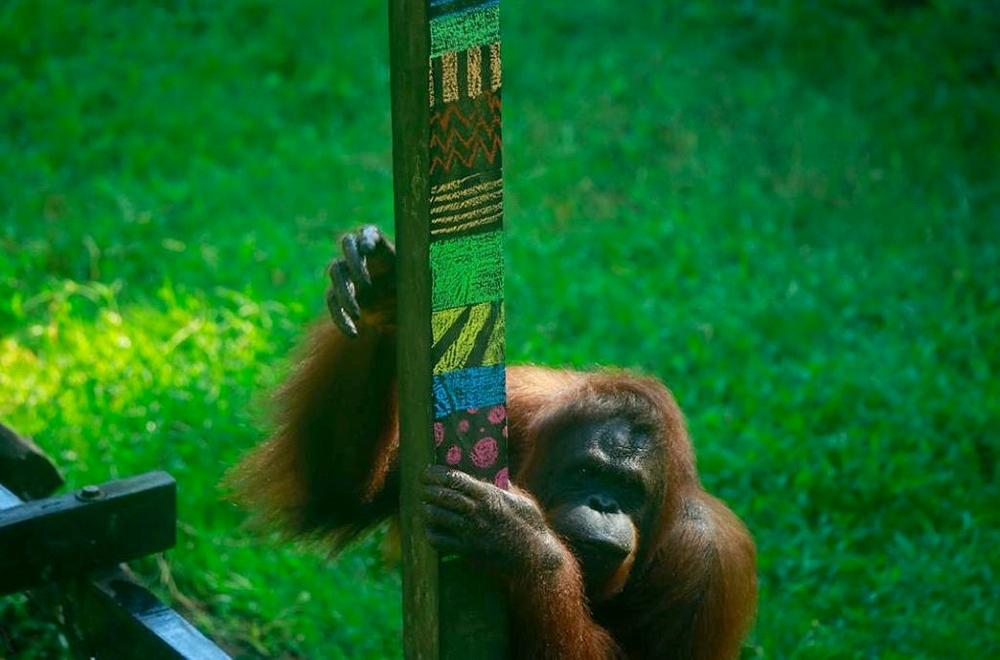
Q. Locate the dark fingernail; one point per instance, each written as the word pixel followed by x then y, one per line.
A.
pixel 355 260
pixel 342 321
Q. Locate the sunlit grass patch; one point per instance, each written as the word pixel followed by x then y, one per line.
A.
pixel 113 390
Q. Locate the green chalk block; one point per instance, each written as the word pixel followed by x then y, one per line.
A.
pixel 467 270
pixel 464 30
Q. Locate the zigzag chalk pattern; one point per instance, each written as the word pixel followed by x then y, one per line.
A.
pixel 465 137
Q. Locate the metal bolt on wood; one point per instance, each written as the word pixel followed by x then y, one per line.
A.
pixel 89 493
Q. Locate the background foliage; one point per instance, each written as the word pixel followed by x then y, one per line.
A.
pixel 787 210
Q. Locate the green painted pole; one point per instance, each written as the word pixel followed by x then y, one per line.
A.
pixel 447 172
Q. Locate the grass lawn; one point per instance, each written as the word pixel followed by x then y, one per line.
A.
pixel 788 211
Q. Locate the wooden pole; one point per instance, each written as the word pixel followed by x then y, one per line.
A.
pixel 445 76
pixel 409 44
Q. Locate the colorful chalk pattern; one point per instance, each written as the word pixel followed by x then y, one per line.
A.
pixel 460 390
pixel 467 337
pixel 470 205
pixel 465 137
pixel 473 441
pixel 466 270
pixel 466 252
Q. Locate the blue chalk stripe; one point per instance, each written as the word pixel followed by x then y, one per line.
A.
pixel 468 388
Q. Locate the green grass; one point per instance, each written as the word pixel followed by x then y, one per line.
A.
pixel 789 211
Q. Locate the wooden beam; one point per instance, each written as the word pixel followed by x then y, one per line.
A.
pixel 98 526
pixel 111 615
pixel 8 499
pixel 445 76
pixel 115 617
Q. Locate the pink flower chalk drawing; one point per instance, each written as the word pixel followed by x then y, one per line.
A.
pixel 497 414
pixel 485 452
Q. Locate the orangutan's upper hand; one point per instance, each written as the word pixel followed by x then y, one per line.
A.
pixel 363 280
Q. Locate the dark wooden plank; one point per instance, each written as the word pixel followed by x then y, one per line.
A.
pixel 110 615
pixel 8 499
pixel 409 45
pixel 24 468
pixel 60 537
pixel 117 618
